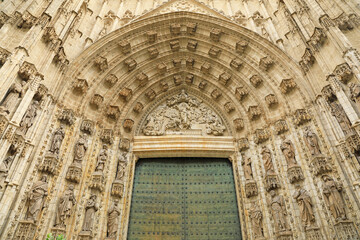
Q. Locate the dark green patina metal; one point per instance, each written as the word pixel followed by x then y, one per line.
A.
pixel 184 199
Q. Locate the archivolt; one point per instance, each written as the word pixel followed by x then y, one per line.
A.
pixel 135 33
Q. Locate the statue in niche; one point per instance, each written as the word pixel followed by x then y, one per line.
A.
pixel 80 148
pixel 333 198
pixel 102 158
pixel 29 117
pixel 65 206
pixel 338 112
pixel 306 207
pixel 36 199
pixel 247 168
pixel 312 142
pixel 113 219
pixel 180 113
pixel 90 210
pixel 355 93
pixel 120 173
pixel 4 168
pixel 256 217
pixel 289 152
pixel 278 210
pixel 58 137
pixel 15 92
pixel 267 159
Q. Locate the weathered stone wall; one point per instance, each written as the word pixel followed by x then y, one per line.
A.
pixel 279 86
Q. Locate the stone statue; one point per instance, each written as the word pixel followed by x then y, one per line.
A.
pixel 278 210
pixel 338 112
pixel 15 92
pixel 120 173
pixel 90 210
pixel 289 152
pixel 4 169
pixel 113 219
pixel 36 199
pixel 256 217
pixel 102 158
pixel 65 206
pixel 306 207
pixel 247 168
pixel 333 198
pixel 29 117
pixel 58 137
pixel 355 93
pixel 267 159
pixel 80 148
pixel 312 142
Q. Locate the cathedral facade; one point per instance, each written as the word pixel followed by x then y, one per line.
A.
pixel 180 119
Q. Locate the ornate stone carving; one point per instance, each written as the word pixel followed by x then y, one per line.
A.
pixel 15 92
pixel 175 45
pixel 190 62
pixel 256 80
pixel 125 94
pixel 27 20
pixel 113 219
pixel 124 144
pixel 125 46
pixel 176 62
pixel 241 46
pixel 307 60
pixel 333 198
pixel 74 172
pixel 280 126
pixel 312 142
pixel 251 189
pixel 106 136
pixel 246 163
pixel 80 86
pixel 241 93
pixel 202 85
pixel 4 54
pixel 243 144
pixel 254 112
pixel 60 57
pixel 215 34
pixel 25 230
pixel 236 64
pixel 57 139
pixel 287 85
pixel 67 116
pixel 189 79
pixel 328 93
pixel 131 64
pixel 224 78
pixel 355 93
pixel 40 93
pixel 96 100
pixel 101 63
pixel 117 188
pixel 138 107
pixel 3 18
pixel 239 17
pixel 142 78
pixel 175 28
pixel 214 52
pixel 50 35
pixel 4 170
pixel 338 112
pixel 191 28
pixel 151 95
pixel 162 68
pixel 153 52
pixel 279 213
pixel 353 141
pixel 164 86
pixel 301 116
pixel 87 126
pixel 267 160
pixel 306 207
pixel 26 71
pixel 238 124
pixel 317 39
pixel 128 124
pixel 182 113
pixel 256 217
pixel 28 118
pixel 91 208
pixel 177 79
pixel 266 63
pixel 36 199
pixel 192 45
pixel 65 207
pixel 261 135
pixel 97 178
pixel 343 72
pixel 111 79
pixel 113 112
pixel 151 36
pixel 49 163
pixel 229 107
pixel 346 230
pixel 320 164
pixel 205 67
pixel 80 148
pixel 289 152
pixel 215 94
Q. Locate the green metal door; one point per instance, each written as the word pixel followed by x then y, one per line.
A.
pixel 184 199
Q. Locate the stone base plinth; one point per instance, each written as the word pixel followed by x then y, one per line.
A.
pixel 97 181
pixel 117 188
pixel 271 182
pixel 25 230
pixel 285 235
pixel 320 164
pixel 49 164
pixel 295 174
pixel 346 230
pixel 313 233
pixel 251 188
pixel 74 173
pixel 85 235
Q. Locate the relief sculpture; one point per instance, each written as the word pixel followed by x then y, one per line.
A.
pixel 333 198
pixel 113 219
pixel 29 117
pixel 181 113
pixel 15 92
pixel 65 207
pixel 306 207
pixel 36 199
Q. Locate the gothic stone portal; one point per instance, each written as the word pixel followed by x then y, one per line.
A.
pixel 184 198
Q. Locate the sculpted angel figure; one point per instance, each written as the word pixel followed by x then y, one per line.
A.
pixel 36 199
pixel 113 219
pixel 312 142
pixel 102 158
pixel 29 117
pixel 333 198
pixel 80 148
pixel 289 152
pixel 66 203
pixel 267 159
pixel 58 137
pixel 306 207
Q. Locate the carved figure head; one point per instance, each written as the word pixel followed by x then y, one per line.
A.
pixel 43 178
pixel 272 193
